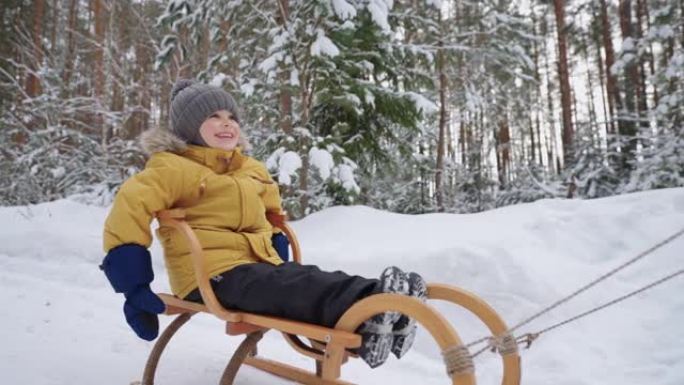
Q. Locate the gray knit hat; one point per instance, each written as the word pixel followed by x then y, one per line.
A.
pixel 192 103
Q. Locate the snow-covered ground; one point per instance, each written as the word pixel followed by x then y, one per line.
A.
pixel 61 323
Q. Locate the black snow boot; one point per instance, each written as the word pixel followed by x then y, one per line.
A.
pixel 404 330
pixel 376 332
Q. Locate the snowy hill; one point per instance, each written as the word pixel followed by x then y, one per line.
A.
pixel 60 320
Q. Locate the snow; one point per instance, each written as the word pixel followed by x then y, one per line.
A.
pixel 322 160
pixel 60 322
pixel 379 11
pixel 422 103
pixel 217 80
pixel 323 45
pixel 286 163
pixel 343 9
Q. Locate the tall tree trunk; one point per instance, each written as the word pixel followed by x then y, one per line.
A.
pixel 202 57
pixel 593 119
pixel 596 35
pixel 113 66
pixel 98 75
pixel 70 46
pixel 642 102
pixel 628 129
pixel 503 146
pixel 614 99
pixel 285 97
pixel 462 141
pixel 55 22
pixel 566 102
pixel 651 56
pixel 439 169
pixel 551 147
pixel 33 83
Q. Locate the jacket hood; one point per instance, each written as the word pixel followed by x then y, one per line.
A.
pixel 161 139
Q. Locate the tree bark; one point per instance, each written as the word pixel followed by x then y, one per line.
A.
pixel 596 34
pixel 614 99
pixel 32 82
pixel 70 49
pixel 642 102
pixel 55 22
pixel 566 102
pixel 439 169
pixel 503 147
pixel 285 97
pixel 551 145
pixel 651 56
pixel 628 128
pixel 537 79
pixel 98 75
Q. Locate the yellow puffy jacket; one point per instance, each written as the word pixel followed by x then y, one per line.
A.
pixel 225 196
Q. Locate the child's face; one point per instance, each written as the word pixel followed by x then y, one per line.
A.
pixel 221 131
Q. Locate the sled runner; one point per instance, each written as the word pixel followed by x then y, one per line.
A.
pixel 329 348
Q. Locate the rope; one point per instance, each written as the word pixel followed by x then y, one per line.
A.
pixel 613 302
pixel 598 280
pixel 458 360
pixel 495 344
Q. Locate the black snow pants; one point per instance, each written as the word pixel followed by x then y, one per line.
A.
pixel 290 290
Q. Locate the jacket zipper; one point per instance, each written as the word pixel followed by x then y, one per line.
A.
pixel 242 205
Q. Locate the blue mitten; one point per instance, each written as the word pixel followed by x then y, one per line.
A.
pixel 129 269
pixel 282 245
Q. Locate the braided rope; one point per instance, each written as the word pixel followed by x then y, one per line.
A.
pixel 505 344
pixel 458 360
pixel 528 338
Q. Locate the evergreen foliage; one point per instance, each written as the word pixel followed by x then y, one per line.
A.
pixel 349 101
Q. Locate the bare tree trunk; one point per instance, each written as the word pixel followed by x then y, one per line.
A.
pixel 651 56
pixel 596 34
pixel 568 131
pixel 462 142
pixel 202 58
pixel 642 105
pixel 551 147
pixel 503 147
pixel 628 129
pixel 537 78
pixel 70 49
pixel 593 119
pixel 55 22
pixel 285 95
pixel 614 99
pixel 141 116
pixel 439 169
pixel 113 65
pixel 32 82
pixel 98 75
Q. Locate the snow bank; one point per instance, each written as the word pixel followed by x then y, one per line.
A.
pixel 60 321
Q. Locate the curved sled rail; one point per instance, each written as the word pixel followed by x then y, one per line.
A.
pixel 494 322
pixel 460 370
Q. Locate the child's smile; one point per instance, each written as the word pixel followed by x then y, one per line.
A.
pixel 221 130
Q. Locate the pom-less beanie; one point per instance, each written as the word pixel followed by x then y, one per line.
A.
pixel 192 103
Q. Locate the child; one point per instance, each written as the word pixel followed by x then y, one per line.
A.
pixel 199 166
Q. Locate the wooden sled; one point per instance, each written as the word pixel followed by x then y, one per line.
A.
pixel 328 347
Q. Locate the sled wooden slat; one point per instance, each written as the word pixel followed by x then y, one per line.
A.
pixel 290 372
pixel 329 346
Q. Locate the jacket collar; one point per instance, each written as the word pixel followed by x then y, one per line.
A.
pixel 221 161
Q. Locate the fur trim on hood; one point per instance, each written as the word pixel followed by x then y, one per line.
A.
pixel 161 139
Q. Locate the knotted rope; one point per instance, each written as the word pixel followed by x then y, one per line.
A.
pixel 458 360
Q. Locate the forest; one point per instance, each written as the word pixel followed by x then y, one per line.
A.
pixel 409 106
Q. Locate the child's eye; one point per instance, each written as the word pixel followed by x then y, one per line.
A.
pixel 215 116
